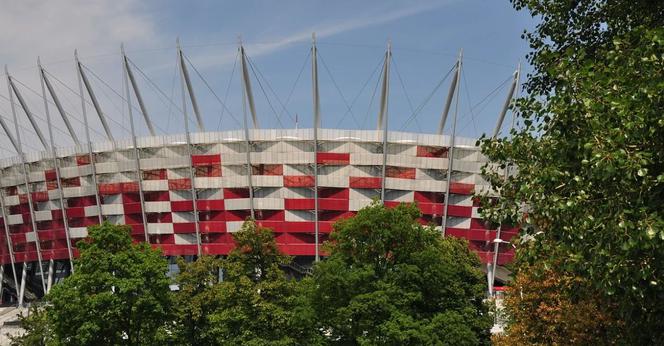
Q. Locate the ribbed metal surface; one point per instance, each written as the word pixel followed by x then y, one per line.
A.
pixel 350 170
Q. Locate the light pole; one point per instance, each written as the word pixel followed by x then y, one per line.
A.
pixel 492 275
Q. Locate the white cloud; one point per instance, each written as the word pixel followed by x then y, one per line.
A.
pixel 53 29
pixel 322 31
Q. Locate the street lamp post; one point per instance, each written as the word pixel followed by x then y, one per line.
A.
pixel 492 273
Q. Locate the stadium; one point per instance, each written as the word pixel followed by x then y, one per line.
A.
pixel 187 193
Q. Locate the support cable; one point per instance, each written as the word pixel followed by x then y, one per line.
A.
pixel 405 91
pixel 64 132
pixel 290 94
pixel 211 90
pixel 349 110
pixel 373 95
pixel 426 100
pixel 336 86
pixel 118 95
pixel 228 89
pixel 269 87
pixel 470 109
pixel 155 88
pixel 88 102
pixel 267 98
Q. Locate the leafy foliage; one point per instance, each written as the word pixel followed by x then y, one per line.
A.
pixel 258 305
pixel 198 297
pixel 38 330
pixel 118 294
pixel 389 280
pixel 543 311
pixel 255 304
pixel 590 154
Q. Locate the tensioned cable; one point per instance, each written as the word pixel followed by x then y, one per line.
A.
pixel 67 98
pixel 85 100
pixel 71 115
pixel 211 90
pixel 416 51
pixel 251 66
pixel 64 132
pixel 154 86
pixel 170 108
pixel 470 109
pixel 228 89
pixel 366 116
pixel 119 109
pixel 380 61
pixel 35 114
pixel 488 97
pixel 27 143
pixel 269 87
pixel 290 94
pixel 405 92
pixel 426 100
pixel 336 86
pixel 267 82
pixel 117 94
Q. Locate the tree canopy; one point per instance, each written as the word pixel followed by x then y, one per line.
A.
pixel 257 303
pixel 117 295
pixel 389 280
pixel 589 154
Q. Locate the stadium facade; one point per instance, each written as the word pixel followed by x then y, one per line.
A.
pixel 187 193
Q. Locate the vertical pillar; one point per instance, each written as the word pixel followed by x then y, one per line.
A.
pixel 2 278
pixel 139 176
pixel 508 101
pixel 139 98
pixel 21 290
pixel 247 97
pixel 316 104
pixel 93 165
pixel 192 96
pixel 10 245
pixel 58 105
pixel 496 245
pixel 184 80
pixel 50 276
pixel 448 102
pixel 450 156
pixel 83 78
pixel 56 167
pixel 382 117
pixel 26 178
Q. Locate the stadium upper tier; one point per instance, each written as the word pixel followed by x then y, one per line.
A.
pixel 271 174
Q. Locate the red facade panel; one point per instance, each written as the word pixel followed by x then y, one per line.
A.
pixel 365 182
pixel 205 160
pixel 298 181
pixel 462 188
pixel 155 174
pixel 182 206
pixel 179 184
pixel 216 204
pixel 426 151
pixel 267 169
pixel 333 158
pixel 400 172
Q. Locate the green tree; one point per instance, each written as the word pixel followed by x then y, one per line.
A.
pixel 391 281
pixel 543 311
pixel 197 298
pixel 37 329
pixel 590 154
pixel 117 295
pixel 257 303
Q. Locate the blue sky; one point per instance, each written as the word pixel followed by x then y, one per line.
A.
pixel 352 35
